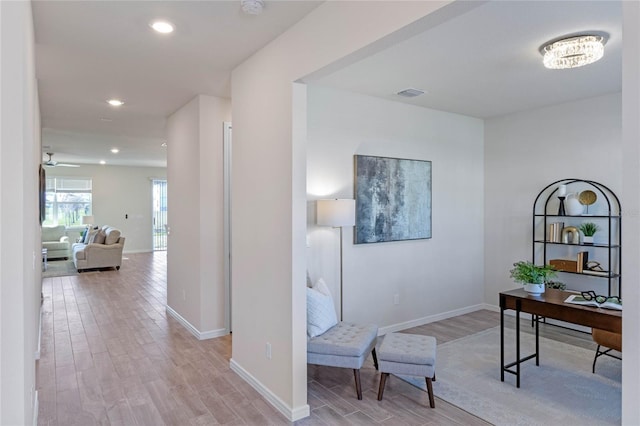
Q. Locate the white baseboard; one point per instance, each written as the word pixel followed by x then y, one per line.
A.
pixel 137 251
pixel 429 319
pixel 36 355
pixel 36 407
pixel 200 335
pixel 292 414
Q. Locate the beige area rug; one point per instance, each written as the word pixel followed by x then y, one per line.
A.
pixel 561 391
pixel 59 268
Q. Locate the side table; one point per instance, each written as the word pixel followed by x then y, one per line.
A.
pixel 44 259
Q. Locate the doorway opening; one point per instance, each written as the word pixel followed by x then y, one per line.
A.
pixel 159 223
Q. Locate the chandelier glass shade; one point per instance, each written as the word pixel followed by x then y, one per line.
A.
pixel 573 52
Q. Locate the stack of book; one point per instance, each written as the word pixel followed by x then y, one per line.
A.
pixel 583 258
pixel 555 232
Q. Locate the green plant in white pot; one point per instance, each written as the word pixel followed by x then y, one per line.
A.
pixel 588 229
pixel 533 278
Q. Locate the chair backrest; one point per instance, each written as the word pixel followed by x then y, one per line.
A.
pixel 53 233
pixel 607 339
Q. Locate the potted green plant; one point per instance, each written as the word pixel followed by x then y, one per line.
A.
pixel 531 276
pixel 588 229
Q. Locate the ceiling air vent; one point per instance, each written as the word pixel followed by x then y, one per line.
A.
pixel 410 93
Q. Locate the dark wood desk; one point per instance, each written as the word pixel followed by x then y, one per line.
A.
pixel 550 305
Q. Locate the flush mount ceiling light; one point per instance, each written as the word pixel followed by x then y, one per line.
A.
pixel 163 27
pixel 573 52
pixel 115 150
pixel 252 7
pixel 115 102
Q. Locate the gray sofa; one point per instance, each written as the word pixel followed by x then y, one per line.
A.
pixel 56 241
pixel 101 248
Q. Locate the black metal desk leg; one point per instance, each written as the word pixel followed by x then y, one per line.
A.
pixel 518 307
pixel 502 302
pixel 537 341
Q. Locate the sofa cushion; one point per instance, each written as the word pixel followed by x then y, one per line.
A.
pixel 408 349
pixel 56 245
pixel 87 234
pixel 345 339
pixel 100 237
pixel 112 236
pixel 91 236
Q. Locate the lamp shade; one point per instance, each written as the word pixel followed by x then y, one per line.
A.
pixel 336 213
pixel 87 220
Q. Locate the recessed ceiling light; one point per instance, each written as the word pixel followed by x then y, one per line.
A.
pixel 103 162
pixel 115 150
pixel 163 27
pixel 115 102
pixel 252 7
pixel 410 93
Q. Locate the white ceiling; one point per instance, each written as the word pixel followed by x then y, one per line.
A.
pixel 91 51
pixel 484 63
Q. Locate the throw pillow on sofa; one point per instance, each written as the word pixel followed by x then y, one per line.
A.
pixel 100 237
pixel 113 235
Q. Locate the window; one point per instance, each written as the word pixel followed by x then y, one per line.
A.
pixel 67 200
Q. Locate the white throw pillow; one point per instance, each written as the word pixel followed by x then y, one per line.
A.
pixel 321 315
pixel 321 286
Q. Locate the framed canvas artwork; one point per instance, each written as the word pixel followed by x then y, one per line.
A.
pixel 393 199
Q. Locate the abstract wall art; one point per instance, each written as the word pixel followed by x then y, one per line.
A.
pixel 393 199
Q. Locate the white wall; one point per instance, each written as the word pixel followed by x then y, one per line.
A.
pixel 631 212
pixel 20 262
pixel 119 191
pixel 195 282
pixel 269 200
pixel 525 152
pixel 433 276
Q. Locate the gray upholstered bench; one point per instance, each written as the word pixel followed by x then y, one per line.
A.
pixel 344 345
pixel 408 354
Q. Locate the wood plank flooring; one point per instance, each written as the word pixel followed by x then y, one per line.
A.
pixel 110 355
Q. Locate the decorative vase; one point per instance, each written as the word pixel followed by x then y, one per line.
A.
pixel 573 206
pixel 534 289
pixel 587 240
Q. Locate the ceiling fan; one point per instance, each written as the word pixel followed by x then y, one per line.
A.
pixel 51 163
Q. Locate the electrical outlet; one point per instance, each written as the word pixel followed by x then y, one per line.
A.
pixel 268 350
pixel 396 299
pixel 184 295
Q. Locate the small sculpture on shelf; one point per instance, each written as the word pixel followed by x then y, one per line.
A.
pixel 562 194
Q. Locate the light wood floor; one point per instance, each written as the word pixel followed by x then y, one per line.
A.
pixel 111 355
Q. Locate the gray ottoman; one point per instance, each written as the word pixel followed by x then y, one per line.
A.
pixel 407 354
pixel 345 345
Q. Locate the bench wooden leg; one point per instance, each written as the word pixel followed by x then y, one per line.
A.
pixel 430 392
pixel 356 374
pixel 375 358
pixel 383 381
